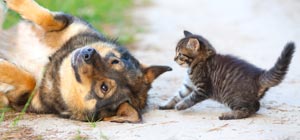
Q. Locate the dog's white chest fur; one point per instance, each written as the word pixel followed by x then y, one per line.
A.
pixel 27 51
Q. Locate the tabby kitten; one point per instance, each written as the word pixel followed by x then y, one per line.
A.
pixel 224 78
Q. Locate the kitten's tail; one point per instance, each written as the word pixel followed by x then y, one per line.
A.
pixel 276 74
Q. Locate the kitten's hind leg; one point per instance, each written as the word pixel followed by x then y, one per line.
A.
pixel 194 98
pixel 235 114
pixel 184 91
pixel 240 113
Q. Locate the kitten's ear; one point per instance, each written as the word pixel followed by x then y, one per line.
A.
pixel 152 72
pixel 187 33
pixel 210 50
pixel 193 44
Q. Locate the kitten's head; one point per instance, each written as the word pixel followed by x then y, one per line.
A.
pixel 193 48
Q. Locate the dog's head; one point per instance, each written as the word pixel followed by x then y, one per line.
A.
pixel 138 77
pixel 97 78
pixel 89 87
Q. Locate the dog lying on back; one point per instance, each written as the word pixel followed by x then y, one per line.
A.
pixel 71 69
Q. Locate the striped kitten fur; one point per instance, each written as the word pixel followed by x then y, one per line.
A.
pixel 224 78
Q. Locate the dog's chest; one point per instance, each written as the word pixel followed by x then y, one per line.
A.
pixel 29 52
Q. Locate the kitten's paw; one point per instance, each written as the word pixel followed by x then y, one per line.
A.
pixel 227 116
pixel 165 107
pixel 237 114
pixel 181 106
pixel 170 104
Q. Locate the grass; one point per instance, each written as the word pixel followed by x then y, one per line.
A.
pixel 17 119
pixel 80 136
pixel 3 111
pixel 109 16
pixel 2 117
pixel 92 122
pixel 103 137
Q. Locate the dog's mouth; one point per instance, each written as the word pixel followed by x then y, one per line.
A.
pixel 76 60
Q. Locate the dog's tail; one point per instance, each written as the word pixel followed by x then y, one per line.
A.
pixel 2 13
pixel 277 73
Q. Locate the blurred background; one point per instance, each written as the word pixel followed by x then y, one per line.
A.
pixel 112 17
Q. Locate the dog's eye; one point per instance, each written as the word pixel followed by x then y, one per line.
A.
pixel 115 62
pixel 104 88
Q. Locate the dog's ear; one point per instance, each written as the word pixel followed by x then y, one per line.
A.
pixel 187 33
pixel 125 113
pixel 152 72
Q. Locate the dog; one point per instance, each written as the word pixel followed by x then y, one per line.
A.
pixel 66 67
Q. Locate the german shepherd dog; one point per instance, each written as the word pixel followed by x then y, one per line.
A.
pixel 69 69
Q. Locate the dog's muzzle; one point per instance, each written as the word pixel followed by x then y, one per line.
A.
pixel 87 54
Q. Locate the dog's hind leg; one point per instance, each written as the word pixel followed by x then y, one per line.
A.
pixel 22 82
pixel 30 10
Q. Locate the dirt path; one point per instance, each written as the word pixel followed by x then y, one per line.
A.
pixel 252 29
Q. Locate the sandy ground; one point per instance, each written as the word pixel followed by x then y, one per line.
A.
pixel 254 30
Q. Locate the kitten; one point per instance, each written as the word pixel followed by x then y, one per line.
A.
pixel 224 78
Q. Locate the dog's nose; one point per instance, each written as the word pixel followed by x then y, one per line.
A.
pixel 87 53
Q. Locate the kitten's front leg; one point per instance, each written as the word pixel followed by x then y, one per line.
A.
pixel 170 104
pixel 194 98
pixel 184 91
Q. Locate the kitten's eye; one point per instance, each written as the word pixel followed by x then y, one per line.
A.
pixel 104 88
pixel 181 58
pixel 115 62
